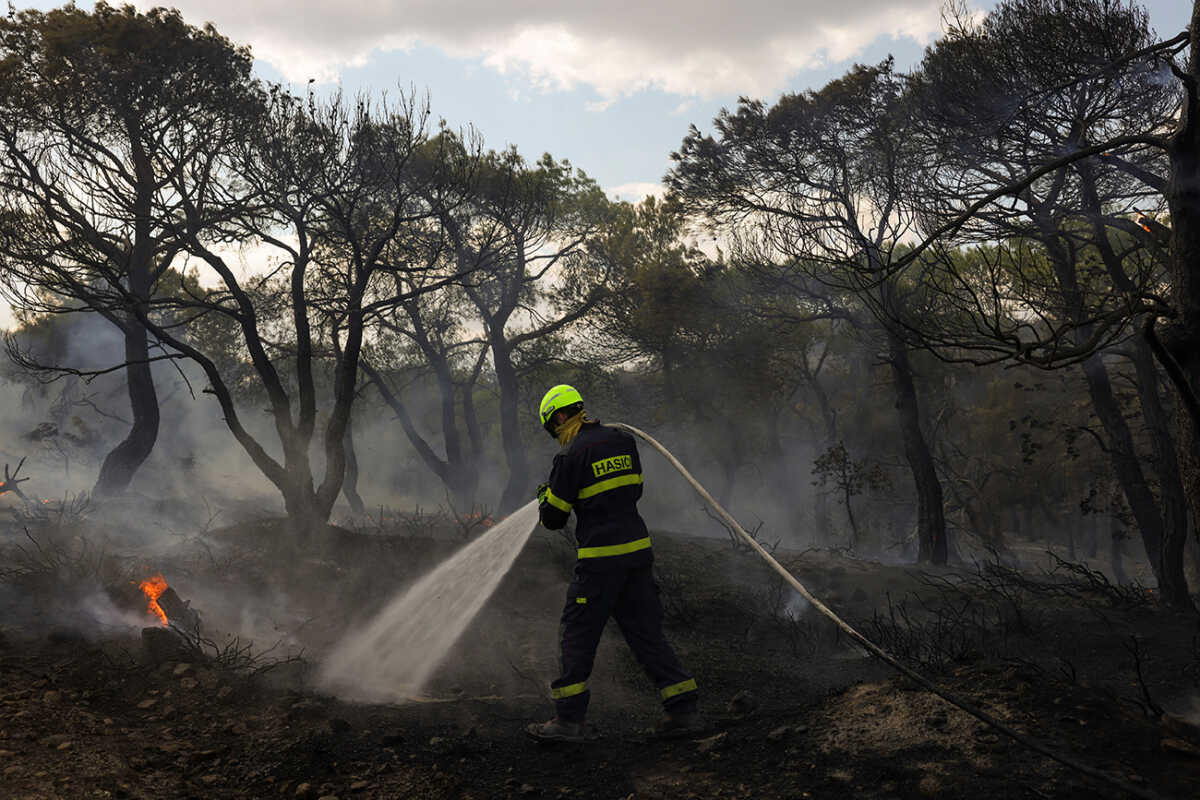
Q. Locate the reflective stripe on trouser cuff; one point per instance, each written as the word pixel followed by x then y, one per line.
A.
pixel 557 502
pixel 570 690
pixel 678 688
pixel 611 483
pixel 615 549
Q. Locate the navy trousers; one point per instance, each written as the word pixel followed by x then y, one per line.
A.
pixel 630 596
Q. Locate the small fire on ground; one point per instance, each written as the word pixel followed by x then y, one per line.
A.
pixel 153 588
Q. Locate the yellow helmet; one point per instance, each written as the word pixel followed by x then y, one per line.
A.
pixel 558 398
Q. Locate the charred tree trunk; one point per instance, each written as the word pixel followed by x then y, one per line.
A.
pixel 305 515
pixel 1181 354
pixel 848 502
pixel 1171 500
pixel 449 421
pixel 471 420
pixel 931 520
pixel 1124 459
pixel 1122 453
pixel 123 461
pixel 350 484
pixel 518 487
pixel 1117 543
pixel 822 513
pixel 474 463
pixel 344 393
pixel 1170 512
pixel 120 465
pixel 458 478
pixel 463 477
pixel 987 526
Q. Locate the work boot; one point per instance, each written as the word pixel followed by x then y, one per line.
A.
pixel 680 725
pixel 559 730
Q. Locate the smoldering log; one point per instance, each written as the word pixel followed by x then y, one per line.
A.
pixel 163 643
pixel 179 611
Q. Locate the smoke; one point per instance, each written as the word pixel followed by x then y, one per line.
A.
pixel 98 615
pixel 797 606
pixel 83 607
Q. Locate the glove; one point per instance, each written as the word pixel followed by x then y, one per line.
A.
pixel 541 492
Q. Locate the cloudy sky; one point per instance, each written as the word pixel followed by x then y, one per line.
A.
pixel 611 85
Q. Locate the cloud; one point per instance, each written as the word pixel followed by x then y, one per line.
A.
pixel 696 48
pixel 635 192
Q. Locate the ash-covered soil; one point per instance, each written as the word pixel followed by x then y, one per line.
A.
pixel 90 711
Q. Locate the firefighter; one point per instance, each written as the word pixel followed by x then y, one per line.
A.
pixel 598 475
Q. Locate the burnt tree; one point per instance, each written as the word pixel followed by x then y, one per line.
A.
pixel 108 122
pixel 338 190
pixel 1178 345
pixel 816 187
pixel 1061 273
pixel 425 334
pixel 538 277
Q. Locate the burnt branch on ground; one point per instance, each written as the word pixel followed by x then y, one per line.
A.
pixel 1133 646
pixel 60 514
pixel 1083 581
pixel 387 522
pixel 43 566
pixel 933 637
pixel 470 524
pixel 992 587
pixel 802 632
pixel 234 653
pixel 737 542
pixel 676 598
pixel 959 618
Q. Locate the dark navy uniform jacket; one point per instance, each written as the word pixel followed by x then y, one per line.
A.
pixel 599 476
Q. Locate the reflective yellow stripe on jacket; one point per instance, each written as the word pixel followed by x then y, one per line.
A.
pixel 557 502
pixel 615 549
pixel 611 483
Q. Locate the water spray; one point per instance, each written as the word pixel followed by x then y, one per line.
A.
pixel 876 650
pixel 393 655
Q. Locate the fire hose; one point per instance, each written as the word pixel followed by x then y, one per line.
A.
pixel 879 652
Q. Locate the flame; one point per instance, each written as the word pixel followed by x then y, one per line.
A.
pixel 153 588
